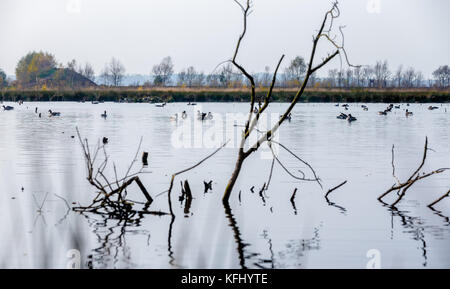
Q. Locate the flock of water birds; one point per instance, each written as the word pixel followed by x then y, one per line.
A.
pixel 209 116
pixel 388 109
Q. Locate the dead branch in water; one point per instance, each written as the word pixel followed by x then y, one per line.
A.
pixel 393 165
pixel 111 197
pixel 446 195
pixel 315 178
pixel 335 188
pixel 293 201
pixel 330 203
pixel 253 118
pixel 169 191
pixel 400 187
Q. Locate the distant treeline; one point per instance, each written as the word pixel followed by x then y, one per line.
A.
pixel 226 95
pixel 40 70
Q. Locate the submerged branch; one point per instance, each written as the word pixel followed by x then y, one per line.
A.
pixel 400 187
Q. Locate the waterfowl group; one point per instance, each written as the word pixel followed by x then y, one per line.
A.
pixel 348 117
pixel 388 109
pixel 204 116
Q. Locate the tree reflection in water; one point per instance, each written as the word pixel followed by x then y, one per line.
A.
pixel 111 236
pixel 415 227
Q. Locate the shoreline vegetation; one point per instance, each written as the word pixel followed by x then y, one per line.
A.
pixel 180 94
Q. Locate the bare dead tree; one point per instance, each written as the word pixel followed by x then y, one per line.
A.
pixel 116 71
pixel 400 187
pixel 111 197
pixel 253 119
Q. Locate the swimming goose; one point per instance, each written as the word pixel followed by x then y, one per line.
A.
pixel 54 113
pixel 382 112
pixel 342 116
pixel 104 115
pixel 184 115
pixel 289 117
pixel 408 113
pixel 351 118
pixel 8 107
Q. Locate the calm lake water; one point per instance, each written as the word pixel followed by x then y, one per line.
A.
pixel 42 165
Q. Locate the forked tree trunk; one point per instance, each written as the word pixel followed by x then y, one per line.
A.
pixel 252 122
pixel 234 176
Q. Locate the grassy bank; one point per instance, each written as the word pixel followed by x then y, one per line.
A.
pixel 227 95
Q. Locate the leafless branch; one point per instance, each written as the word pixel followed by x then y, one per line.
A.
pixel 333 189
pixel 188 169
pixel 252 122
pixel 400 187
pixel 103 203
pixel 446 195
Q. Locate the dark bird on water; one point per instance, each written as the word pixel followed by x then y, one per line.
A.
pixel 351 118
pixel 105 140
pixel 54 113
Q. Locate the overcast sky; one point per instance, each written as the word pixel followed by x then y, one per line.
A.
pixel 203 33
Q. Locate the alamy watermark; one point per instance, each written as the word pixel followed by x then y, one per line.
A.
pixel 74 259
pixel 374 256
pixel 373 6
pixel 73 6
pixel 196 129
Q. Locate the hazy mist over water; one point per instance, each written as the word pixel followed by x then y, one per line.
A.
pixel 202 33
pixel 40 156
